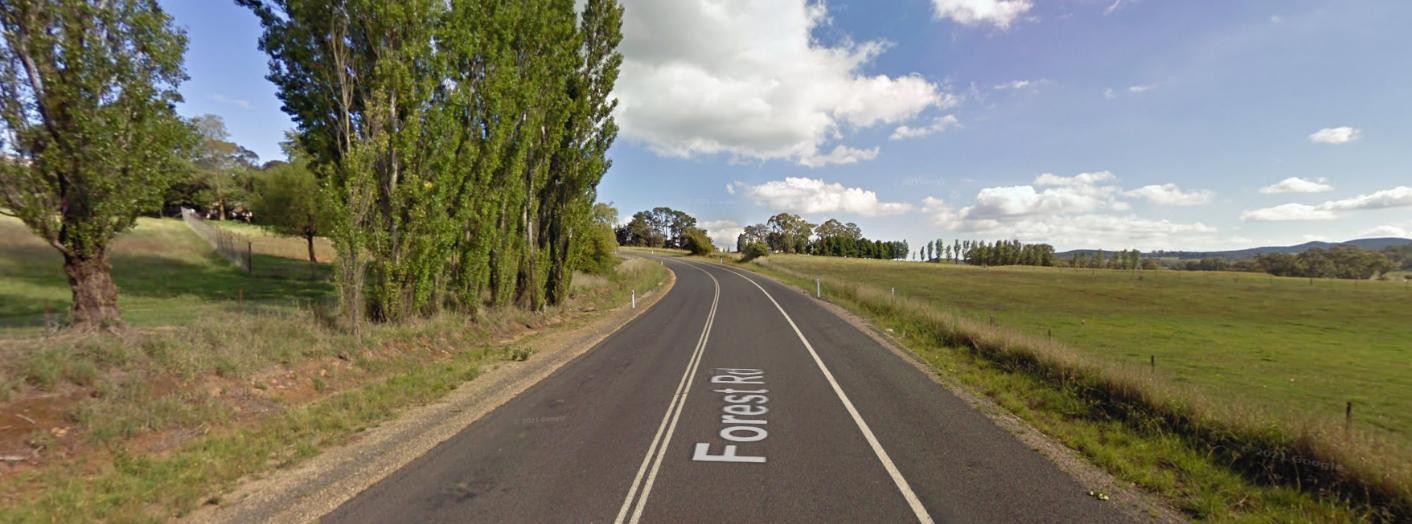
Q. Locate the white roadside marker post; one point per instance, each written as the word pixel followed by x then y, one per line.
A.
pixel 818 290
pixel 634 299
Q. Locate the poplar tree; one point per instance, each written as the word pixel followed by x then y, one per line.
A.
pixel 91 138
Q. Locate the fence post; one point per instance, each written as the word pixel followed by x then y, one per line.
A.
pixel 1348 417
pixel 1152 363
pixel 249 258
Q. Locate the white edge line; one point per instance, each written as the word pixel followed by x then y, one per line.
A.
pixel 902 485
pixel 677 397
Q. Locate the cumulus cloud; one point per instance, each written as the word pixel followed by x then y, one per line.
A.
pixel 746 79
pixel 1400 196
pixel 814 196
pixel 1170 195
pixel 1336 135
pixel 1000 13
pixel 942 123
pixel 1087 209
pixel 1296 184
pixel 722 232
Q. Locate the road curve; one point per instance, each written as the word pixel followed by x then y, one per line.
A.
pixel 735 398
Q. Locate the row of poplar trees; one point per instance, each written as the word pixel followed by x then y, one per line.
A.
pixel 459 143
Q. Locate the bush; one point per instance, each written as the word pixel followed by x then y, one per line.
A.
pixel 599 255
pixel 754 250
pixel 696 241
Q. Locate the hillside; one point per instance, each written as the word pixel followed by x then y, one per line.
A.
pixel 1374 244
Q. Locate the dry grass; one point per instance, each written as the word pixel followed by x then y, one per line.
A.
pixel 1315 455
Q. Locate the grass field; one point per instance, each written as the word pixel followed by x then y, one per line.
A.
pixel 166 275
pixel 1298 349
pixel 1240 419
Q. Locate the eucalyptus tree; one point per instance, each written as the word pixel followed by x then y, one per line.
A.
pixel 90 135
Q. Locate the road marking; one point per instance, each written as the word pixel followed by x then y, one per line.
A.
pixel 902 485
pixel 658 449
pixel 739 403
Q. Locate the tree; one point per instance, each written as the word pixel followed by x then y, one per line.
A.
pixel 789 233
pixel 287 200
pixel 459 144
pixel 697 242
pixel 87 95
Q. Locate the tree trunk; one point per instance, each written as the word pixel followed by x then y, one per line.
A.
pixel 95 295
pixel 310 239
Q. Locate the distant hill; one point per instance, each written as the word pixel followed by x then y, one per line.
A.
pixel 1374 244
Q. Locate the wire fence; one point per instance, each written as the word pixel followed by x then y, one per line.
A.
pixel 231 246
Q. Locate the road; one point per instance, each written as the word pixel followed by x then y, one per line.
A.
pixel 735 398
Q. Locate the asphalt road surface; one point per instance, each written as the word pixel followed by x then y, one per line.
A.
pixel 735 399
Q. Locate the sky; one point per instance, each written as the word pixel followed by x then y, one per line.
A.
pixel 1113 124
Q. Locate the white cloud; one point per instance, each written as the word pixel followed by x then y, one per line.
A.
pixel 1113 7
pixel 746 79
pixel 1014 84
pixel 841 154
pixel 1110 94
pixel 1287 212
pixel 937 126
pixel 814 196
pixel 1099 231
pixel 243 104
pixel 1079 210
pixel 1171 195
pixel 1138 89
pixel 722 232
pixel 1336 135
pixel 730 188
pixel 1400 196
pixel 1388 230
pixel 1000 13
pixel 1295 184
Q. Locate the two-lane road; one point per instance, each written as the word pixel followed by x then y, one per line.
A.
pixel 734 399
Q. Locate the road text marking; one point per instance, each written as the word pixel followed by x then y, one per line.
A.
pixel 742 415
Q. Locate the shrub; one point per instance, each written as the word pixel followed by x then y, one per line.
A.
pixel 754 250
pixel 696 241
pixel 599 255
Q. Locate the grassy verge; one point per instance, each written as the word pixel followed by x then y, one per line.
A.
pixel 1211 457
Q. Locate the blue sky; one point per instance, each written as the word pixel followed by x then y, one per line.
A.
pixel 1150 124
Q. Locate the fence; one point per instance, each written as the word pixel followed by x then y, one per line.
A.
pixel 231 246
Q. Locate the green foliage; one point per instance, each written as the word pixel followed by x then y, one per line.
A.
pixel 658 227
pixel 462 145
pixel 697 242
pixel 599 253
pixel 87 101
pixel 754 250
pixel 1349 262
pixel 287 202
